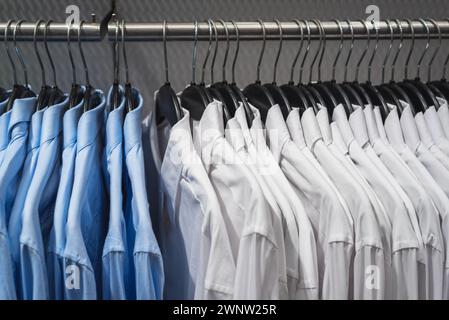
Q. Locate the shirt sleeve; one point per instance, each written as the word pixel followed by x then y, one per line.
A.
pixel 369 273
pixel 149 276
pixel 405 271
pixel 257 276
pixel 336 275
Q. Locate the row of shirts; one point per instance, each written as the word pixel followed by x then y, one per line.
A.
pixel 74 213
pixel 306 207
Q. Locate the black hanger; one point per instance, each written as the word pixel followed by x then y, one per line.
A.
pixel 238 92
pixel 18 91
pixel 90 90
pixel 193 97
pixel 42 98
pixel 76 91
pixel 229 99
pixel 256 93
pixel 167 103
pixel 371 90
pixel 116 92
pixel 276 92
pixel 294 94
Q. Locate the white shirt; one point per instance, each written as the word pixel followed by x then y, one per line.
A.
pixel 443 114
pixel 333 229
pixel 436 129
pixel 405 243
pixel 246 211
pixel 369 253
pixel 431 275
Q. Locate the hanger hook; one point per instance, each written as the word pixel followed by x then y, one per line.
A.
pixel 39 59
pixel 203 70
pixel 116 53
pixel 362 57
pixel 262 51
pixel 307 51
pixel 318 50
pixel 323 41
pixel 401 43
pixel 212 65
pixel 18 52
pixel 225 59
pixel 301 42
pixel 437 27
pixel 340 48
pixel 195 41
pixel 11 60
pixel 281 38
pixel 370 64
pixel 445 62
pixel 351 29
pixel 47 25
pixel 389 49
pixel 237 49
pixel 412 46
pixel 83 58
pixel 418 71
pixel 69 49
pixel 164 42
pixel 125 59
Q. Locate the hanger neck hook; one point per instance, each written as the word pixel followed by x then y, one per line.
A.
pixel 437 27
pixel 18 52
pixel 401 43
pixel 340 48
pixel 262 51
pixel 323 41
pixel 351 30
pixel 445 62
pixel 225 59
pixel 362 57
pixel 376 45
pixel 69 50
pixel 164 42
pixel 52 65
pixel 195 41
pixel 83 58
pixel 212 65
pixel 301 42
pixel 11 60
pixel 389 49
pixel 203 70
pixel 116 54
pixel 276 61
pixel 125 59
pixel 36 50
pixel 318 50
pixel 304 58
pixel 418 71
pixel 412 46
pixel 237 49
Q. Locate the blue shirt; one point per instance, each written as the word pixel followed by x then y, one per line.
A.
pixel 87 215
pixel 39 205
pixel 56 242
pixel 115 259
pixel 10 168
pixel 144 250
pixel 4 122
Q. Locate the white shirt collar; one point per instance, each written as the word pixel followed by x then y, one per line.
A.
pixel 234 134
pixel 358 125
pixel 311 128
pixel 434 124
pixel 393 128
pixel 295 128
pixel 409 129
pixel 277 131
pixel 423 130
pixel 322 117
pixel 371 125
pixel 339 116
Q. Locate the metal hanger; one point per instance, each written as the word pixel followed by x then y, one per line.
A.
pixel 419 104
pixel 167 103
pixel 203 69
pixel 42 98
pixel 76 91
pixel 294 94
pixel 334 87
pixel 275 91
pixel 230 101
pixel 193 97
pixel 90 90
pixel 256 93
pixel 18 91
pixel 237 91
pixel 351 93
pixel 371 90
pixel 130 99
pixel 56 95
pixel 443 84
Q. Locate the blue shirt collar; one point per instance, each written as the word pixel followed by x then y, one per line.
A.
pixel 91 121
pixel 133 123
pixel 52 120
pixel 21 111
pixel 70 123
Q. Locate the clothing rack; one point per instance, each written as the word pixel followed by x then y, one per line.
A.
pixel 184 31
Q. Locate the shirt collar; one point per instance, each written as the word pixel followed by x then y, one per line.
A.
pixel 339 117
pixel 338 139
pixel 70 123
pixel 322 118
pixel 371 125
pixel 91 121
pixel 34 139
pixel 380 124
pixel 4 123
pixel 52 120
pixel 21 111
pixel 409 128
pixel 358 125
pixel 311 128
pixel 234 134
pixel 295 128
pixel 114 126
pixel 132 127
pixel 434 122
pixel 393 128
pixel 245 132
pixel 423 130
pixel 277 129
